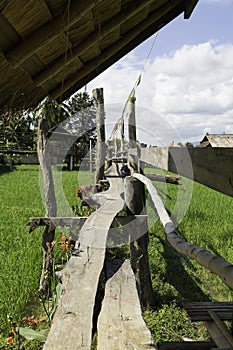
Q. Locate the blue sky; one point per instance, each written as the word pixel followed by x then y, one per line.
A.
pixel 187 85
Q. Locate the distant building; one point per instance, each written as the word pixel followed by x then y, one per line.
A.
pixel 217 140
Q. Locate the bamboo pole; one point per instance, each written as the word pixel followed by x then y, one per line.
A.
pixel 216 264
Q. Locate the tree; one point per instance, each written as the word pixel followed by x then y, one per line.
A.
pixel 16 131
pixel 189 144
pixel 81 120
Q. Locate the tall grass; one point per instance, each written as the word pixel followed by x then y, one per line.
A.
pixel 20 253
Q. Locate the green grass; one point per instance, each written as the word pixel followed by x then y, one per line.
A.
pixel 20 253
pixel 207 222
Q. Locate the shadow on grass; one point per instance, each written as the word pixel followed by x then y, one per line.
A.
pixel 177 276
pixel 5 169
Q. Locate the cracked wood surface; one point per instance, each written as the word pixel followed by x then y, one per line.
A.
pixel 72 323
pixel 120 323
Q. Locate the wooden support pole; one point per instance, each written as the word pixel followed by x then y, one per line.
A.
pixel 100 126
pixel 50 205
pixel 139 242
pixel 133 151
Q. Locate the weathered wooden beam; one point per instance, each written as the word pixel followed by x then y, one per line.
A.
pixel 50 205
pixel 78 221
pixel 164 178
pixel 73 320
pixel 216 334
pixel 189 7
pixel 115 48
pixel 199 311
pixel 98 96
pixel 120 323
pixel 185 345
pixel 88 42
pixel 212 167
pixel 134 199
pixel 223 329
pixel 48 32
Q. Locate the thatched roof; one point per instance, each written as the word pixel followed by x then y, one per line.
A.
pixel 54 47
pixel 217 140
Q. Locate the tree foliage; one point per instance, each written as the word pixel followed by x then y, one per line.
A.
pixel 16 131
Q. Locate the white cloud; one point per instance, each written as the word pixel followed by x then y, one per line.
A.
pixel 184 93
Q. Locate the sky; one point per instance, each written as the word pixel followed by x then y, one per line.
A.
pixel 186 87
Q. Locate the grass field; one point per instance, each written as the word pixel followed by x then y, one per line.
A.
pixel 207 222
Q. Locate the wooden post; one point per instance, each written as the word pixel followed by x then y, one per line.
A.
pixel 100 126
pixel 133 152
pixel 50 205
pixel 132 123
pixel 91 167
pixel 139 242
pixel 135 200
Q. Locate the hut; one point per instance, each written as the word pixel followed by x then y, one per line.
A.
pixel 217 140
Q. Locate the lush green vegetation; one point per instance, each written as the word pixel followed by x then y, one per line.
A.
pixel 207 222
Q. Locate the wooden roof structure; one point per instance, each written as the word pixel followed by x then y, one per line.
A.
pixel 55 47
pixel 217 140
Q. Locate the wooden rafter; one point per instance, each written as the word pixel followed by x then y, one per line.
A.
pixel 48 32
pixel 87 43
pixel 133 36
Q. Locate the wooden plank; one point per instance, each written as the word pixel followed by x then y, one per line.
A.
pixel 217 335
pixel 120 323
pixel 199 311
pixel 186 345
pixel 72 323
pixel 98 97
pixel 212 167
pixel 164 178
pixel 226 334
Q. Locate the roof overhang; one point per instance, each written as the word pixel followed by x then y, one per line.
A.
pixel 55 47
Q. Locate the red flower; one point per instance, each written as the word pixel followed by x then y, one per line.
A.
pixel 41 319
pixel 71 243
pixel 79 192
pixel 63 237
pixel 10 340
pixel 63 246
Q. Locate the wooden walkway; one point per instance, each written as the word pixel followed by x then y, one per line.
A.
pixel 120 325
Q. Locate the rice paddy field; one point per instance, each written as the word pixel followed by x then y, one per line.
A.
pixel 206 221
